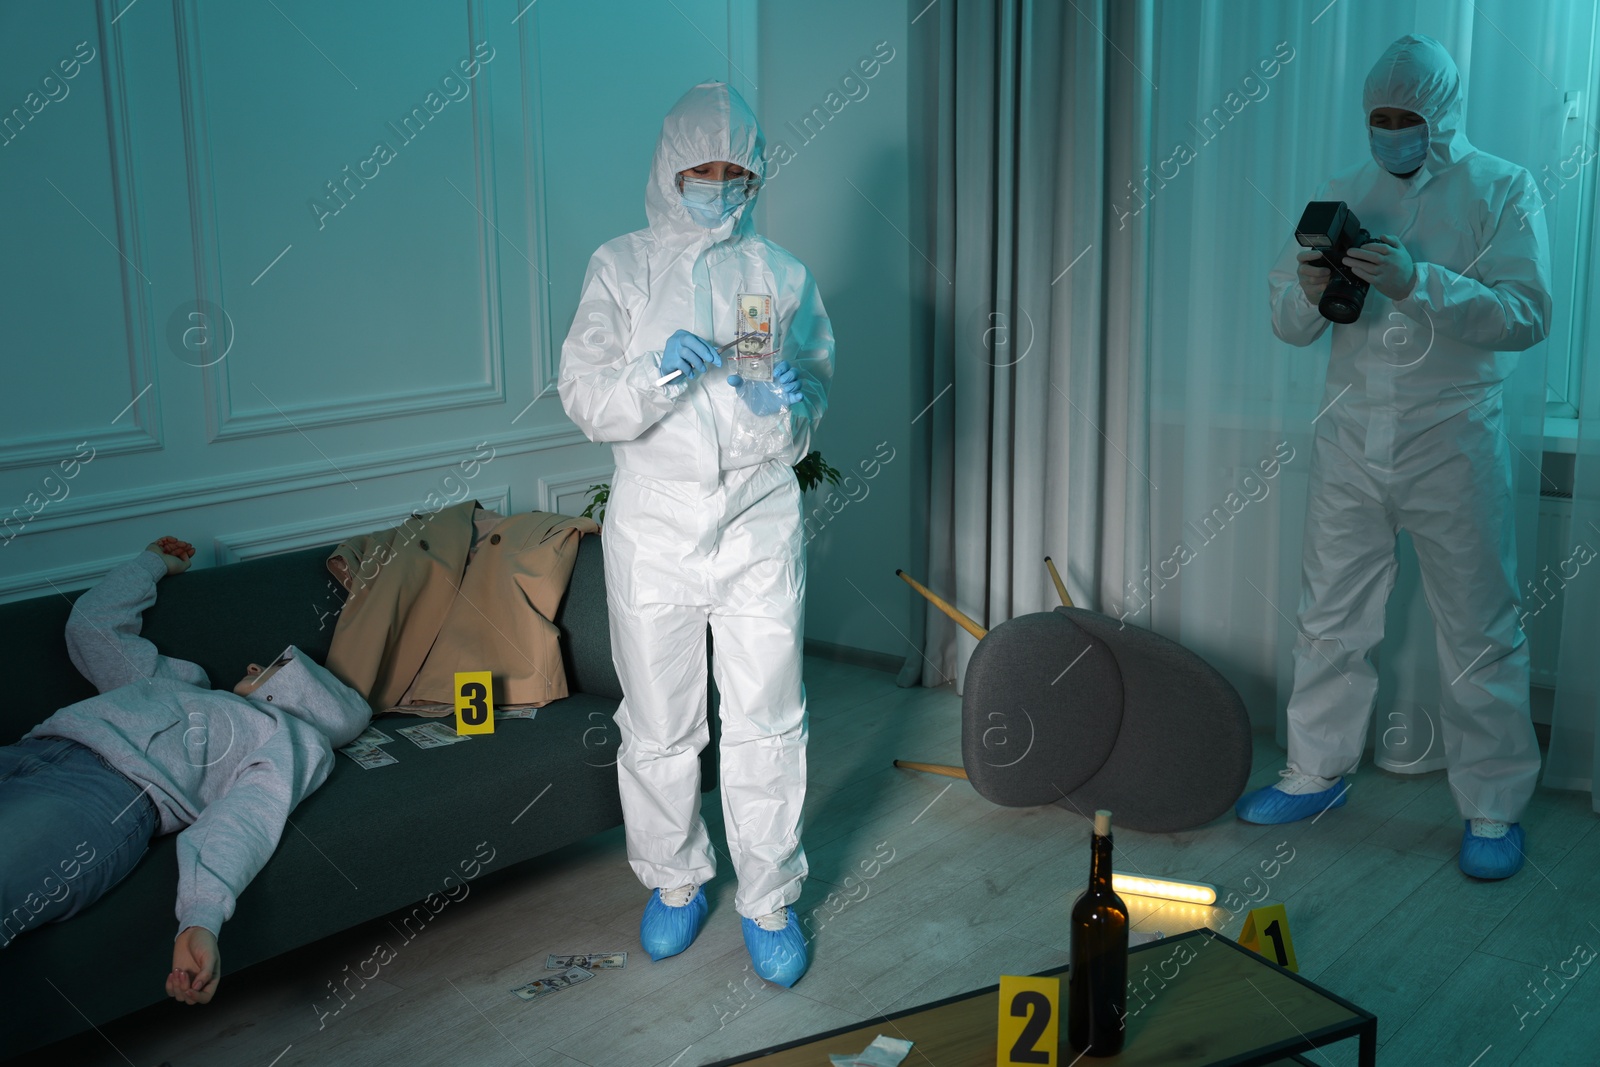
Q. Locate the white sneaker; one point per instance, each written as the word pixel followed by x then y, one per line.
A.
pixel 679 897
pixel 775 921
pixel 1296 784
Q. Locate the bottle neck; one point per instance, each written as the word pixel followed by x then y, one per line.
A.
pixel 1100 864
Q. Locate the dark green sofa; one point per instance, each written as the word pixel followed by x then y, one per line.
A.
pixel 367 843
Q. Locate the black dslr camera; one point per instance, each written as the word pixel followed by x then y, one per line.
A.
pixel 1330 227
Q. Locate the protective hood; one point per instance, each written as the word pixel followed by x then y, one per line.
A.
pixel 711 122
pixel 312 695
pixel 1417 74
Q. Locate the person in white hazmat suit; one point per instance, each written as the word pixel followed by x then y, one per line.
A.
pixel 1412 437
pixel 703 526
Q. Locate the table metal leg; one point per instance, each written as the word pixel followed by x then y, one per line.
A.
pixel 1367 1054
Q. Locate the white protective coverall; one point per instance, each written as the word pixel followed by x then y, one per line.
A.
pixel 693 533
pixel 1413 437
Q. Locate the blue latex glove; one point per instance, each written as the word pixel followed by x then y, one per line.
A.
pixel 1385 265
pixel 769 398
pixel 689 353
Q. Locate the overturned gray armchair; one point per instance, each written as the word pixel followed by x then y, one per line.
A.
pixel 1074 708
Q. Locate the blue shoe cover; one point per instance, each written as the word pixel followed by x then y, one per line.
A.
pixel 666 931
pixel 1271 805
pixel 779 956
pixel 1491 857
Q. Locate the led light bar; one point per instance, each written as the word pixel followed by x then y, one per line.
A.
pixel 1166 888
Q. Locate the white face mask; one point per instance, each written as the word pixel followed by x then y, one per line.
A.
pixel 1400 151
pixel 711 203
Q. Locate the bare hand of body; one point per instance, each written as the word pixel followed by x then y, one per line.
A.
pixel 175 553
pixel 196 967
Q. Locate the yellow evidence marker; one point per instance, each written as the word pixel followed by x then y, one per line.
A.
pixel 1030 1022
pixel 474 702
pixel 1266 933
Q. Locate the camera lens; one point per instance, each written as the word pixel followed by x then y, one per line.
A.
pixel 1342 301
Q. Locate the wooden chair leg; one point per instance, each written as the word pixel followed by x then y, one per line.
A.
pixel 1061 587
pixel 945 606
pixel 966 624
pixel 933 768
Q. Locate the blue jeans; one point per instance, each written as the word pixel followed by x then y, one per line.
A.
pixel 71 827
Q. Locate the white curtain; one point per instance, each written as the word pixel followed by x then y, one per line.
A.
pixel 1098 311
pixel 1571 584
pixel 1037 381
pixel 1268 100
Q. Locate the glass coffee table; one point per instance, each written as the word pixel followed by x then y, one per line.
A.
pixel 1194 1000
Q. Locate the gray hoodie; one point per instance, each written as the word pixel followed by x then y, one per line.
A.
pixel 226 770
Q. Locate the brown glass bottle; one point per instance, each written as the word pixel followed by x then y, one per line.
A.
pixel 1097 984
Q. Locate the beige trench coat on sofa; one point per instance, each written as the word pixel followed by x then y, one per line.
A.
pixel 419 611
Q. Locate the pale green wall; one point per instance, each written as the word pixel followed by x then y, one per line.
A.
pixel 838 205
pixel 371 344
pixel 368 351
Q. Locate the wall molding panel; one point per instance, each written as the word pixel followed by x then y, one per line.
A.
pixel 138 312
pixel 290 419
pixel 243 545
pixel 57 580
pixel 92 509
pixel 331 529
pixel 137 427
pixel 541 324
pixel 550 491
pixel 223 422
pixel 40 450
pixel 374 353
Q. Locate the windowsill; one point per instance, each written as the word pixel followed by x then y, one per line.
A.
pixel 1561 435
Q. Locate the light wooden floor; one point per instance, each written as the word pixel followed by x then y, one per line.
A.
pixel 1378 910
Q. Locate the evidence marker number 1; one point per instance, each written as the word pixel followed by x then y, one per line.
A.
pixel 1266 933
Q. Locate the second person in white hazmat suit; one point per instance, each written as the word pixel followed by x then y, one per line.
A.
pixel 1413 437
pixel 699 528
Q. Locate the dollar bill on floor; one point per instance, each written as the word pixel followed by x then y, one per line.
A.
pixel 515 713
pixel 588 960
pixel 368 756
pixel 372 736
pixel 545 987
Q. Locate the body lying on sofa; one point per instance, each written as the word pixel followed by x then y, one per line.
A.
pixel 157 751
pixel 367 843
